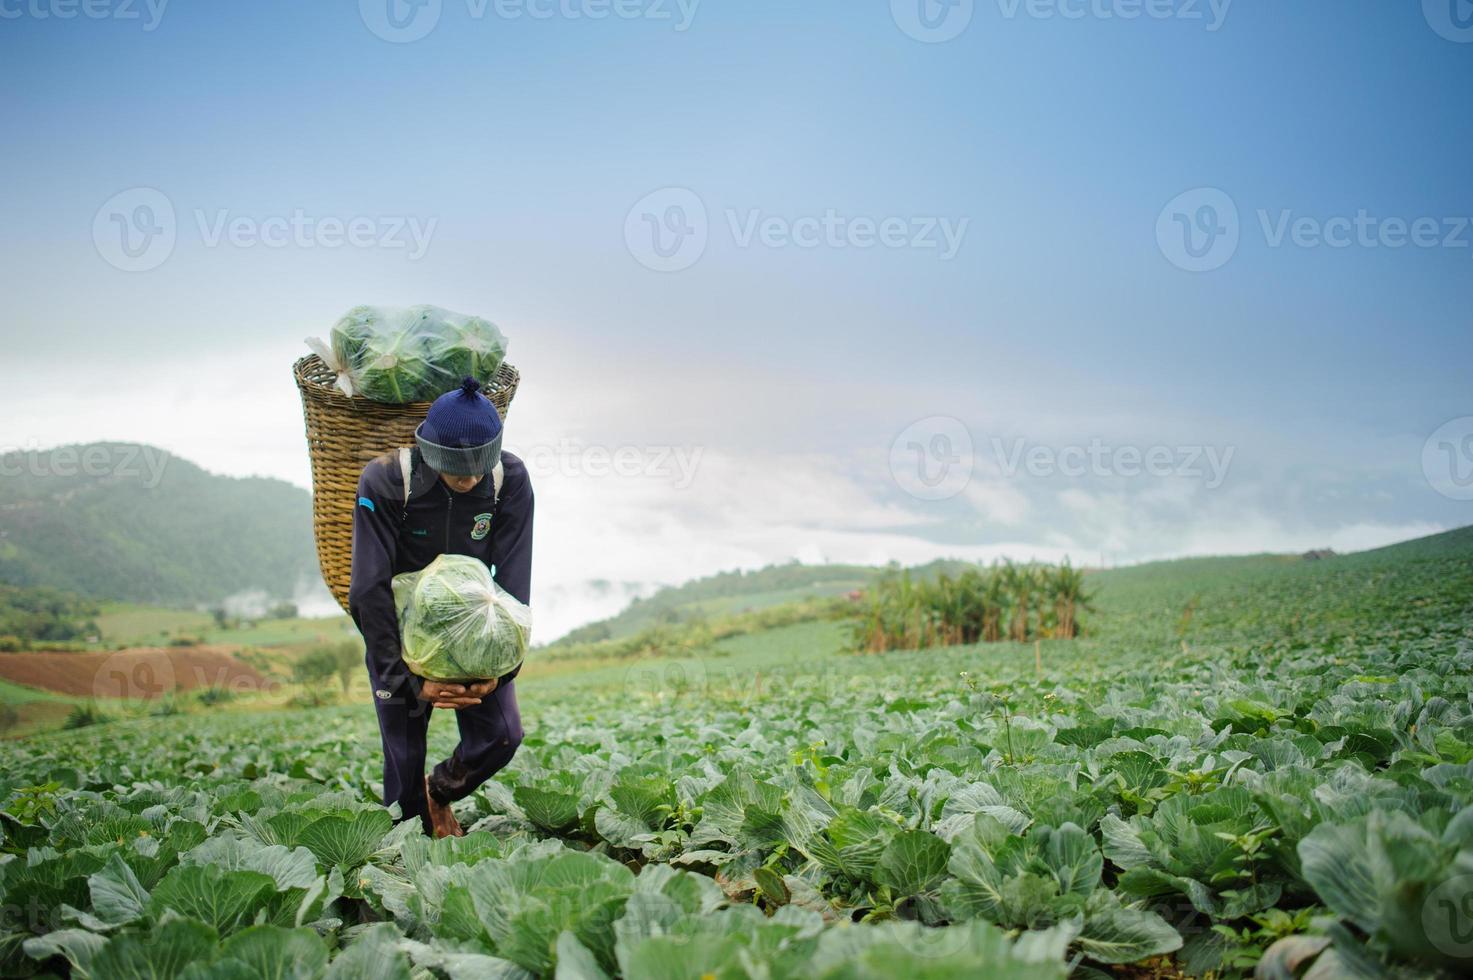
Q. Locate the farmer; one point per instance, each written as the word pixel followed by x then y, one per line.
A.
pixel 453 507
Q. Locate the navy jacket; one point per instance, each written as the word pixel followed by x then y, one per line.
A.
pixel 390 537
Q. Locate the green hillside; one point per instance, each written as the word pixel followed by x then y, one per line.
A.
pixel 1231 599
pixel 1280 600
pixel 735 592
pixel 127 522
pixel 47 615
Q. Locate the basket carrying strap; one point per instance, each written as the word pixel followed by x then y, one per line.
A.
pixel 498 472
pixel 404 471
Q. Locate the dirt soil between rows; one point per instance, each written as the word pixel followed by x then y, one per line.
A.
pixel 139 672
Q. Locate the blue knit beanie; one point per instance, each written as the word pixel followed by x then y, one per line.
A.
pixel 462 434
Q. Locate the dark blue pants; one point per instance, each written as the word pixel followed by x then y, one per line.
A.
pixel 489 735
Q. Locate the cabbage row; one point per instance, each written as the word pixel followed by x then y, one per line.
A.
pixel 1297 801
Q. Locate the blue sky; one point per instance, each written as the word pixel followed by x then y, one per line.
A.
pixel 1052 138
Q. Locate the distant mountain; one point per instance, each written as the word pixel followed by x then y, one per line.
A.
pixel 136 523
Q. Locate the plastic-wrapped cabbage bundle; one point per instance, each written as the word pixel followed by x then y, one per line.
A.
pixel 456 623
pixel 477 348
pixel 413 354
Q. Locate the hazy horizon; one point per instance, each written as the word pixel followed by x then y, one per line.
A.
pixel 593 601
pixel 832 283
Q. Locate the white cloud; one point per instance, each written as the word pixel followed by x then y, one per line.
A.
pixel 998 502
pixel 741 511
pixel 1152 526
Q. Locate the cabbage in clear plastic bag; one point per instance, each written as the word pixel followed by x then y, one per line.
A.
pixel 456 623
pixel 477 348
pixel 413 354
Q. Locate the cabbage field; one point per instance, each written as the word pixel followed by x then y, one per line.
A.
pixel 1259 763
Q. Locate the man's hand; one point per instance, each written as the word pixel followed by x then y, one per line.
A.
pixel 455 696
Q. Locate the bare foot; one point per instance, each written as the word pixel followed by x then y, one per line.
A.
pixel 442 818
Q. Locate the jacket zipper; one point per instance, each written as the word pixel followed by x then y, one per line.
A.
pixel 449 513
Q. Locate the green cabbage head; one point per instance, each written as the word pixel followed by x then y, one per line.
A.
pixel 456 623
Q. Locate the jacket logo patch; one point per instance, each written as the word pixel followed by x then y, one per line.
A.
pixel 365 502
pixel 482 527
pixel 382 695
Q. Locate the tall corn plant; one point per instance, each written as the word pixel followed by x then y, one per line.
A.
pixel 1020 583
pixel 1017 601
pixel 995 602
pixel 1070 598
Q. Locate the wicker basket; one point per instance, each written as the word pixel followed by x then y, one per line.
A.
pixel 343 434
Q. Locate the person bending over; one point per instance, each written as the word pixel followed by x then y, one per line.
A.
pixel 464 496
